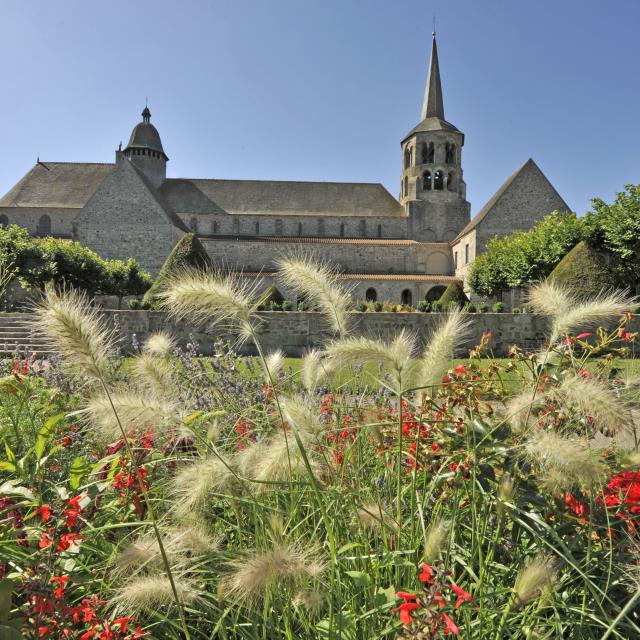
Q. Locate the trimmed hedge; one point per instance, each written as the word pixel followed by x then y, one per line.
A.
pixel 453 295
pixel 585 271
pixel 37 261
pixel 188 252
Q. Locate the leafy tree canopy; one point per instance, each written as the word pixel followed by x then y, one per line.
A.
pixel 36 261
pixel 525 256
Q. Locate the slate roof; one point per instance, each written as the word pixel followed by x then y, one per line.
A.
pixel 486 210
pixel 57 185
pixel 273 197
pixel 68 184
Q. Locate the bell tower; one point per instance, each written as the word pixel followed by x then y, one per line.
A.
pixel 145 150
pixel 432 189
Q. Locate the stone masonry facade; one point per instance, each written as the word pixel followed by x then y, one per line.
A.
pixel 402 250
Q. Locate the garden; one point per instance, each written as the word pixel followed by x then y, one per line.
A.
pixel 378 490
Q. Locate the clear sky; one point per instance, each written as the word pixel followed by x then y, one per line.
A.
pixel 326 89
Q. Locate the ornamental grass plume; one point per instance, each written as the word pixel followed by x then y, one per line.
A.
pixel 374 517
pixel 153 374
pixel 521 409
pixel 136 411
pixel 533 579
pixel 569 312
pixel 159 344
pixel 315 368
pixel 434 540
pixel 195 484
pixel 286 566
pixel 564 462
pixel 440 349
pixel 395 356
pixel 278 459
pixel 153 593
pixel 302 414
pixel 211 297
pixel 318 283
pixel 590 399
pixel 79 332
pixel 274 362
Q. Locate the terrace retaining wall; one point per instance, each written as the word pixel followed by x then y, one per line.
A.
pixel 297 332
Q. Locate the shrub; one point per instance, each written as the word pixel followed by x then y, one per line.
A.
pixel 361 306
pixel 469 307
pixel 377 306
pixel 188 253
pixel 134 304
pixel 424 306
pixel 453 297
pixel 302 305
pixel 436 305
pixel 287 305
pixel 482 307
pixel 584 270
pixel 497 307
pixel 516 310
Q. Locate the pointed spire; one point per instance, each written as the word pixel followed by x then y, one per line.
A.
pixel 433 106
pixel 146 115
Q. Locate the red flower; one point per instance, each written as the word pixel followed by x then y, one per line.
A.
pixel 405 611
pixel 123 623
pixel 460 370
pixel 574 504
pixel 67 539
pixel 427 574
pixel 582 336
pixel 462 595
pixel 406 596
pixel 61 581
pixel 45 540
pixel 450 625
pixel 44 512
pixel 138 634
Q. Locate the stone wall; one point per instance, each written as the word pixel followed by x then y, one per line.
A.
pixel 296 332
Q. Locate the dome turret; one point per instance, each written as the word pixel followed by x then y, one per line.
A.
pixel 145 149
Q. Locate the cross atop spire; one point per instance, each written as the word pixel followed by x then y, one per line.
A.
pixel 433 107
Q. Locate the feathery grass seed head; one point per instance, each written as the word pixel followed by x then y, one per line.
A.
pixel 154 593
pixel 159 344
pixel 533 579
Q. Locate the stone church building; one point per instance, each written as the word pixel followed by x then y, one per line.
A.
pixel 402 250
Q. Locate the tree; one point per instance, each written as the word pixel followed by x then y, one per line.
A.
pixel 525 256
pixel 453 295
pixel 188 252
pixel 615 228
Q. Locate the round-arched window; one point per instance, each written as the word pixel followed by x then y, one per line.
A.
pixel 371 295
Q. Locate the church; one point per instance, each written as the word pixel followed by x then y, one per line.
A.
pixel 402 250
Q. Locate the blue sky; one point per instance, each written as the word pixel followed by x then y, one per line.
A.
pixel 326 89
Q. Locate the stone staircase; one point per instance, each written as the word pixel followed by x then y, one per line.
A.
pixel 18 337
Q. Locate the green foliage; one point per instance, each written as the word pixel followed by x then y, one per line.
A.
pixel 453 295
pixel 524 257
pixel 585 271
pixel 287 305
pixel 188 253
pixel 497 307
pixel 615 228
pixel 38 261
pixel 424 306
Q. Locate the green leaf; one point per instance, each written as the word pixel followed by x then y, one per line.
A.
pixel 10 455
pixel 342 627
pixel 45 434
pixel 7 466
pixel 6 589
pixel 360 578
pixel 77 470
pixel 11 488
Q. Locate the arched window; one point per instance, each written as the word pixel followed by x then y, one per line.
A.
pixel 236 225
pixel 451 182
pixel 342 229
pixel 428 153
pixel 321 227
pixel 406 297
pixel 426 181
pixel 379 231
pixel 44 225
pixel 407 157
pixel 466 253
pixel 438 180
pixel 299 228
pixel 278 227
pixel 257 228
pixel 371 295
pixel 193 224
pixel 215 227
pixel 4 221
pixel 450 153
pixel 405 186
pixel 363 228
